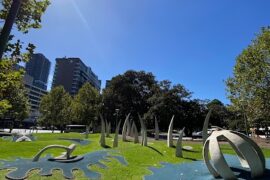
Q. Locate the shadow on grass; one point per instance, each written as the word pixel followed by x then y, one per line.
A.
pixel 187 150
pixel 150 147
pixel 106 146
pixel 190 150
pixel 188 158
pixel 127 140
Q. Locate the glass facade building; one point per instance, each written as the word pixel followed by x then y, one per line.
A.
pixel 38 67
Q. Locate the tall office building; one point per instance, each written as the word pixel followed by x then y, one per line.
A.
pixel 34 94
pixel 38 67
pixel 72 73
pixel 108 82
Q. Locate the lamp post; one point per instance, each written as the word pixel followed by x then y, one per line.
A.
pixel 14 9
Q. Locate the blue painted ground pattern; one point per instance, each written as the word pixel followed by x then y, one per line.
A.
pixel 197 170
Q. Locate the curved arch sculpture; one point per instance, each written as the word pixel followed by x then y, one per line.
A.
pixel 102 140
pixel 178 151
pixel 156 129
pixel 135 132
pixel 205 126
pixel 115 139
pixel 125 127
pixel 23 138
pixel 143 131
pixel 169 135
pixel 248 152
pixel 68 149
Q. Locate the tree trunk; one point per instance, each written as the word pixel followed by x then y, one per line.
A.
pixel 15 6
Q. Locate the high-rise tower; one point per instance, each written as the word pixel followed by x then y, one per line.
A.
pixel 72 73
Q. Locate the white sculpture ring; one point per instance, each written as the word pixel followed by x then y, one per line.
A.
pixel 248 152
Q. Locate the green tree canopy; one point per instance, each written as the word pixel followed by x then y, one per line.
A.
pixel 168 100
pixel 249 87
pixel 220 114
pixel 86 105
pixel 55 108
pixel 13 101
pixel 128 92
pixel 28 17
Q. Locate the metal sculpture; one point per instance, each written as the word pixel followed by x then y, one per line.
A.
pixel 248 152
pixel 135 133
pixel 115 140
pixel 132 129
pixel 205 126
pixel 102 140
pixel 143 131
pixel 128 127
pixel 108 128
pixel 65 157
pixel 156 129
pixel 124 129
pixel 178 151
pixel 20 137
pixel 169 135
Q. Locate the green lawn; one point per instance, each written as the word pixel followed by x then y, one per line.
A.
pixel 139 158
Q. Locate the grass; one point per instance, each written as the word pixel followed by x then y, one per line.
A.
pixel 139 158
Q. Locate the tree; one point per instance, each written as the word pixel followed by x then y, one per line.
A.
pixel 129 93
pixel 194 113
pixel 86 105
pixel 219 115
pixel 249 87
pixel 29 16
pixel 168 100
pixel 236 119
pixel 13 99
pixel 55 108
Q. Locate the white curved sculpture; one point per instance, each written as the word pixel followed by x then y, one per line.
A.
pixel 178 151
pixel 23 138
pixel 115 140
pixel 66 155
pixel 143 132
pixel 108 128
pixel 125 126
pixel 87 130
pixel 169 135
pixel 132 129
pixel 248 152
pixel 128 127
pixel 20 137
pixel 156 129
pixel 102 133
pixel 205 126
pixel 135 133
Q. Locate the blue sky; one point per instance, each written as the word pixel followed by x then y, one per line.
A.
pixel 192 42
